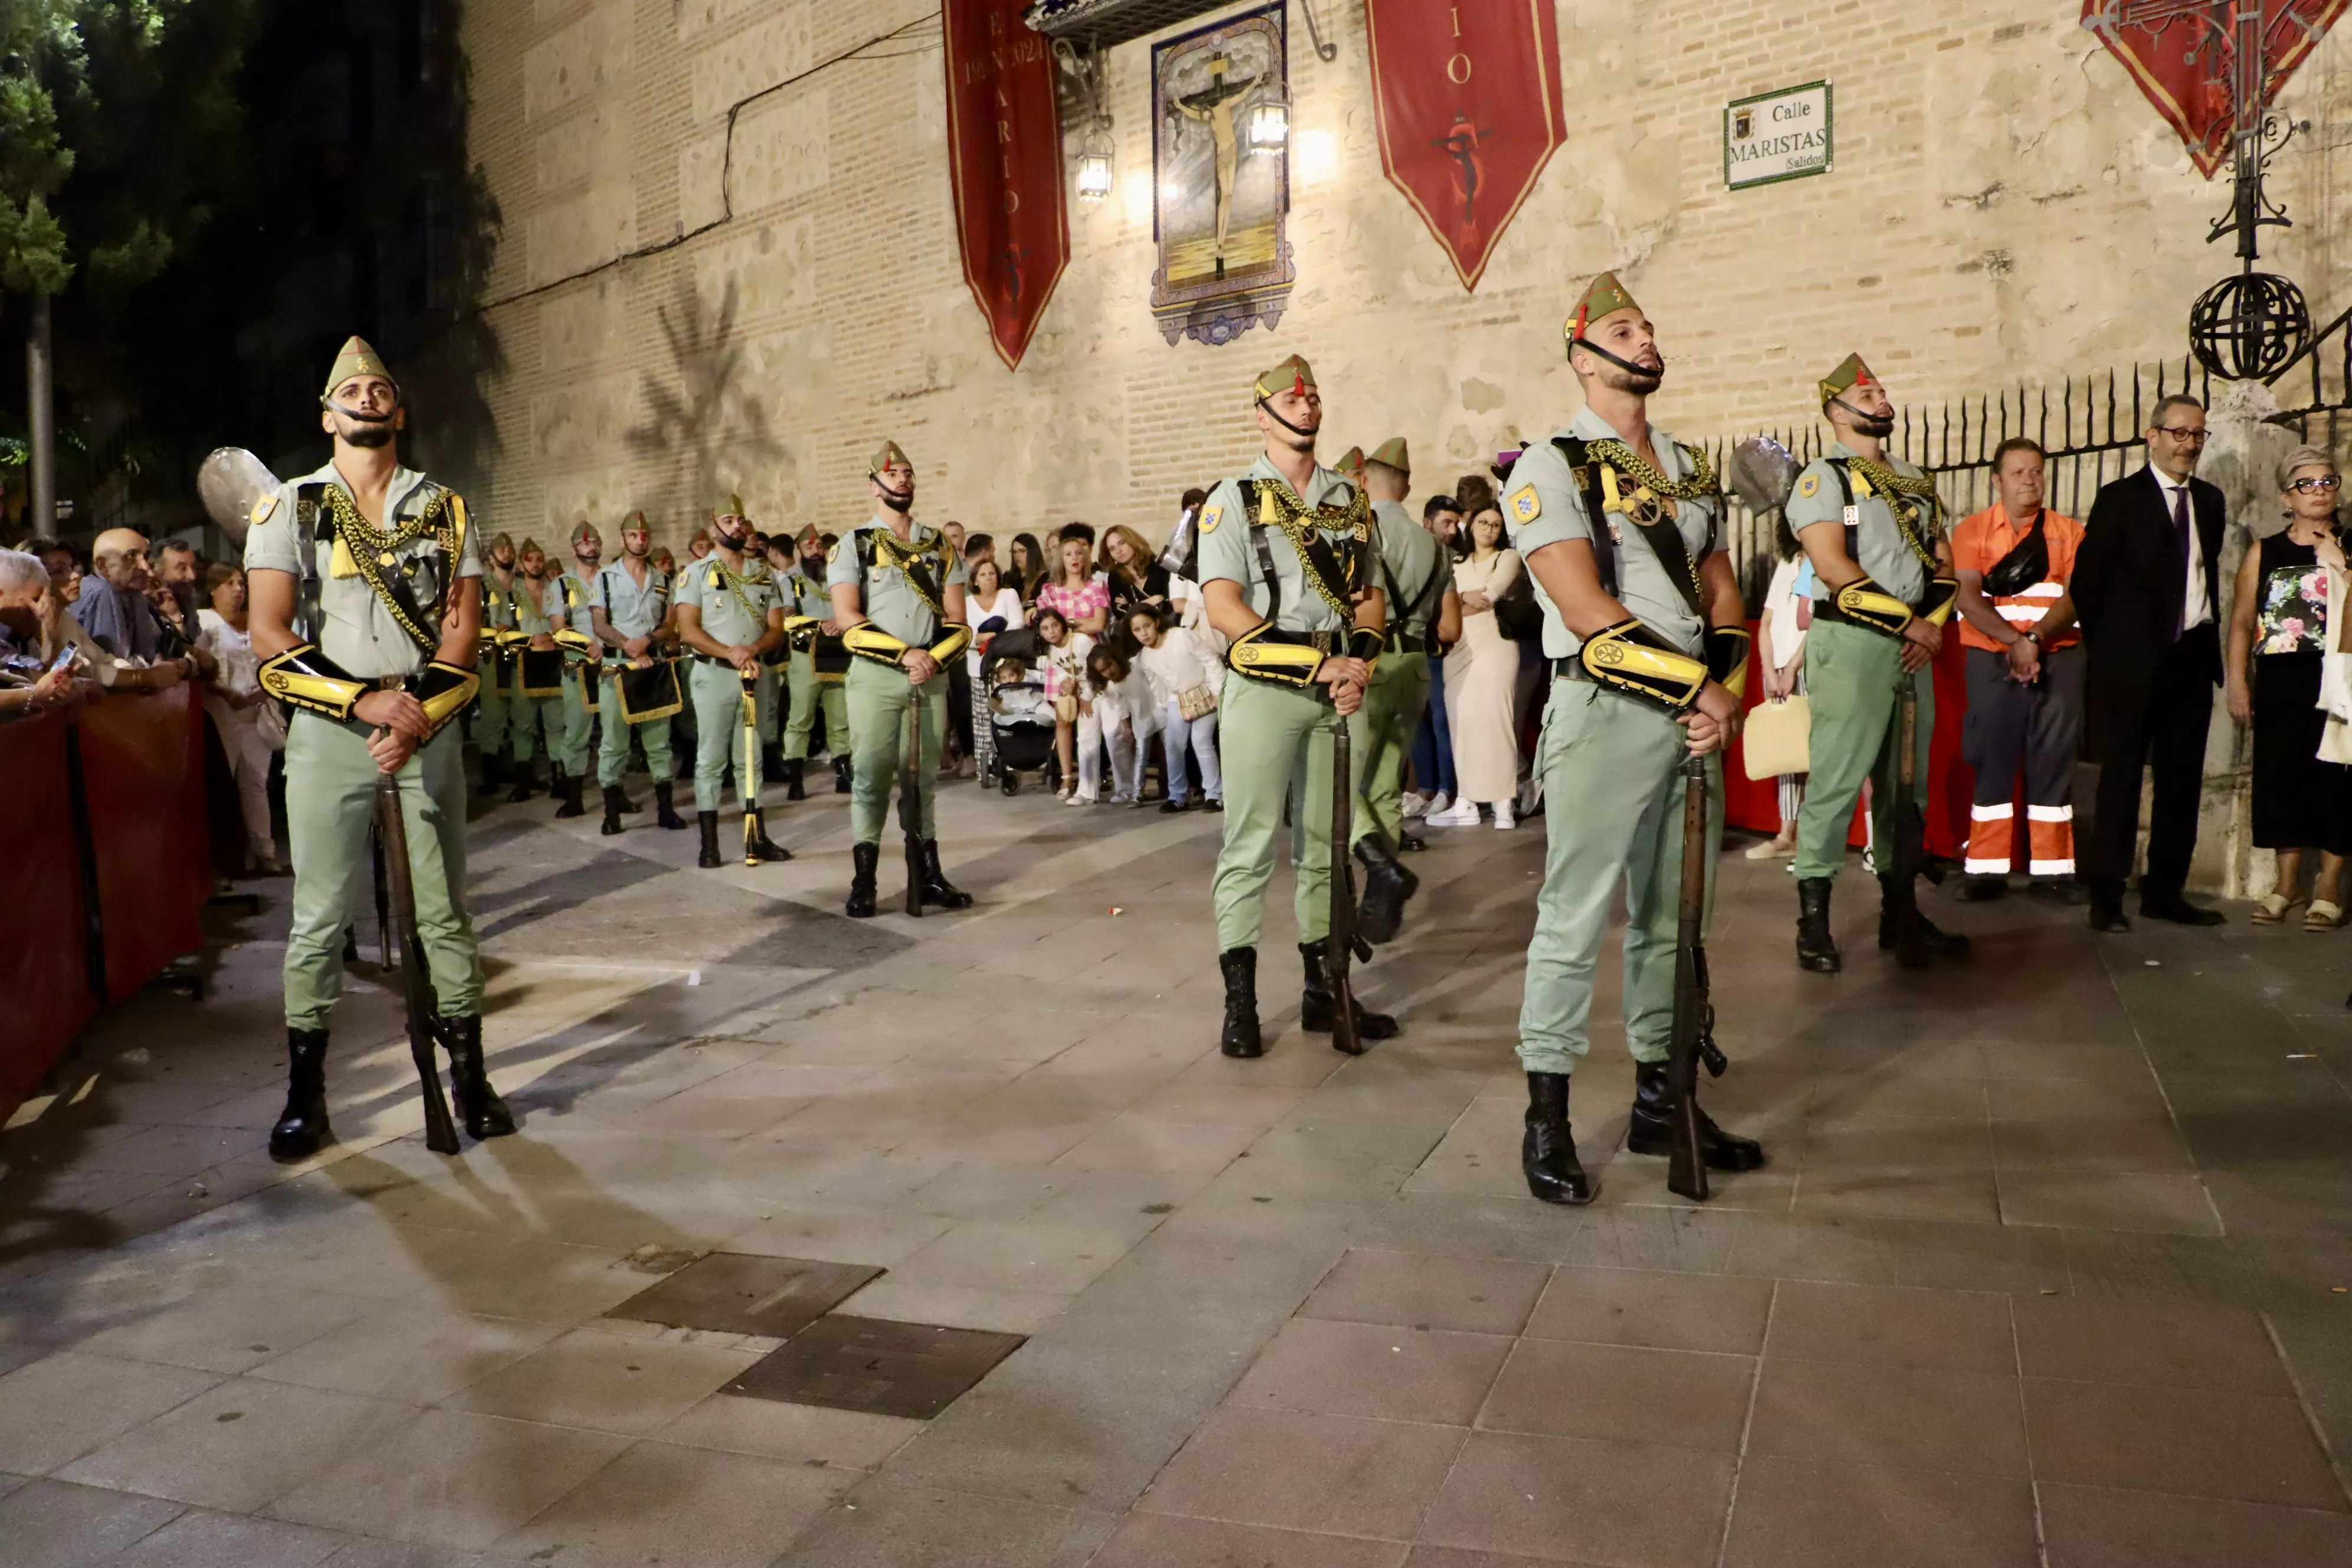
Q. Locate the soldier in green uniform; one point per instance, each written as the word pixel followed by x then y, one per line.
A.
pixel 809 621
pixel 534 713
pixel 1620 526
pixel 1417 583
pixel 898 594
pixel 1286 575
pixel 1884 587
pixel 582 667
pixel 495 664
pixel 728 613
pixel 364 590
pixel 627 605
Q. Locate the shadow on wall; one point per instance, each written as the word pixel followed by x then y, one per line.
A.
pixel 703 415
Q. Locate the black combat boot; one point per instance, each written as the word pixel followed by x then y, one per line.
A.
pixel 840 775
pixel 758 850
pixel 1914 939
pixel 1241 1037
pixel 666 809
pixel 708 821
pixel 555 777
pixel 494 772
pixel 771 761
pixel 1652 1130
pixel 1816 947
pixel 570 788
pixel 793 787
pixel 1314 1002
pixel 1548 1152
pixel 479 1107
pixel 303 1129
pixel 615 802
pixel 1410 842
pixel 1387 885
pixel 526 783
pixel 863 860
pixel 937 891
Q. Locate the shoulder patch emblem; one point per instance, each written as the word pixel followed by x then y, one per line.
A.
pixel 833 550
pixel 261 509
pixel 1808 485
pixel 1526 505
pixel 1210 517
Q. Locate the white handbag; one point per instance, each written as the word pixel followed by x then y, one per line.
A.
pixel 1778 738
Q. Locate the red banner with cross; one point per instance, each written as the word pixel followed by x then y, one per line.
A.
pixel 1004 163
pixel 2184 57
pixel 1466 94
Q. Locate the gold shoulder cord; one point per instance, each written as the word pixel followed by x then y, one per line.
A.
pixel 897 557
pixel 1889 483
pixel 1279 508
pixel 1650 483
pixel 375 552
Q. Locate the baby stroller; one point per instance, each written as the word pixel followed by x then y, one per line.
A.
pixel 1019 716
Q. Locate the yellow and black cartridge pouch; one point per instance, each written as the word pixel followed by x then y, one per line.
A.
pixel 954 637
pixel 580 645
pixel 303 677
pixel 799 632
pixel 1632 659
pixel 1279 658
pixel 443 690
pixel 869 641
pixel 1864 604
pixel 1365 643
pixel 1943 598
pixel 1726 658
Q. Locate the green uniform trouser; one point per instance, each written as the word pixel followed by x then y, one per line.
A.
pixel 1274 742
pixel 717 693
pixel 1852 677
pixel 533 723
pixel 1611 770
pixel 1390 715
pixel 877 699
pixel 571 748
pixel 330 799
pixel 807 692
pixel 613 751
pixel 491 719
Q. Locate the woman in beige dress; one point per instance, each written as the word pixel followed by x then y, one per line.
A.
pixel 1481 672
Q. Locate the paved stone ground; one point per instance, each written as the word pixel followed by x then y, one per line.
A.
pixel 2049 1266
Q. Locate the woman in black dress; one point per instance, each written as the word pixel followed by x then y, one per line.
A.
pixel 1134 577
pixel 2278 633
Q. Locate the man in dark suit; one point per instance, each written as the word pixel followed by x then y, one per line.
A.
pixel 2147 584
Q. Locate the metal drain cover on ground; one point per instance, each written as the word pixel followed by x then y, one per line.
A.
pixel 744 1293
pixel 877 1366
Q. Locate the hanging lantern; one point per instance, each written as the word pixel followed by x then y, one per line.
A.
pixel 1093 173
pixel 1269 126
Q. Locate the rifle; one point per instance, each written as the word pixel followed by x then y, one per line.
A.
pixel 911 798
pixel 1693 1040
pixel 747 776
pixel 1342 943
pixel 1910 823
pixel 416 987
pixel 382 908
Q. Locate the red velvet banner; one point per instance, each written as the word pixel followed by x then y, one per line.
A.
pixel 43 981
pixel 1004 162
pixel 2185 64
pixel 1467 98
pixel 143 773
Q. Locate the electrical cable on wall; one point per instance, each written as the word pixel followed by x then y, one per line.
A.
pixel 727 161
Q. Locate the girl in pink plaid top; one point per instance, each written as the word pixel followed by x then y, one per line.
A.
pixel 1082 598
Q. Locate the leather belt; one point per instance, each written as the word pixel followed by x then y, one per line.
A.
pixel 1408 642
pixel 1570 667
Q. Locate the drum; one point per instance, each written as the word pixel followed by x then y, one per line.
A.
pixel 542 672
pixel 832 656
pixel 650 693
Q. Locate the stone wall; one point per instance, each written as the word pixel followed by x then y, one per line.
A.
pixel 2005 207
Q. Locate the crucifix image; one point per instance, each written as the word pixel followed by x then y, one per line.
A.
pixel 1214 106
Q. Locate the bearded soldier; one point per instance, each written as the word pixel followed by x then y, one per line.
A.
pixel 494 663
pixel 1884 588
pixel 898 594
pixel 627 605
pixel 729 615
pixel 1286 575
pixel 535 710
pixel 1417 585
pixel 1620 525
pixel 582 667
pixel 819 668
pixel 364 586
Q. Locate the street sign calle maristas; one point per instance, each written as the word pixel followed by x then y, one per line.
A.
pixel 1775 136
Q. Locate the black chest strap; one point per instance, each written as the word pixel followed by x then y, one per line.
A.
pixel 1248 489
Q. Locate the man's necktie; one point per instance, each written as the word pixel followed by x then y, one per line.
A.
pixel 2182 543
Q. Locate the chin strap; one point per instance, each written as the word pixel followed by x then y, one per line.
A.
pixel 1267 653
pixel 1726 658
pixel 445 691
pixel 1627 366
pixel 1943 598
pixel 1632 658
pixel 900 504
pixel 302 677
pixel 1286 423
pixel 1866 603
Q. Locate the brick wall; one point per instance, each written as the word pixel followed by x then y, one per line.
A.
pixel 2005 207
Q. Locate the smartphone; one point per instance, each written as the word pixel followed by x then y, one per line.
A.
pixel 63 661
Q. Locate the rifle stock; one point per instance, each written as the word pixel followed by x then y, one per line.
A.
pixel 911 798
pixel 383 906
pixel 416 981
pixel 747 773
pixel 1339 943
pixel 1694 1010
pixel 1910 823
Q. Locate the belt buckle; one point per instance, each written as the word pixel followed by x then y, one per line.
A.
pixel 392 683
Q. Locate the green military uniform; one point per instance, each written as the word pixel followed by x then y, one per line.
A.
pixel 633 610
pixel 735 608
pixel 807 604
pixel 583 669
pixel 1413 575
pixel 533 721
pixel 494 663
pixel 871 556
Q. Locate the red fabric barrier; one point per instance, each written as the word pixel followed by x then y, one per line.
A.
pixel 1755 804
pixel 142 768
pixel 44 981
